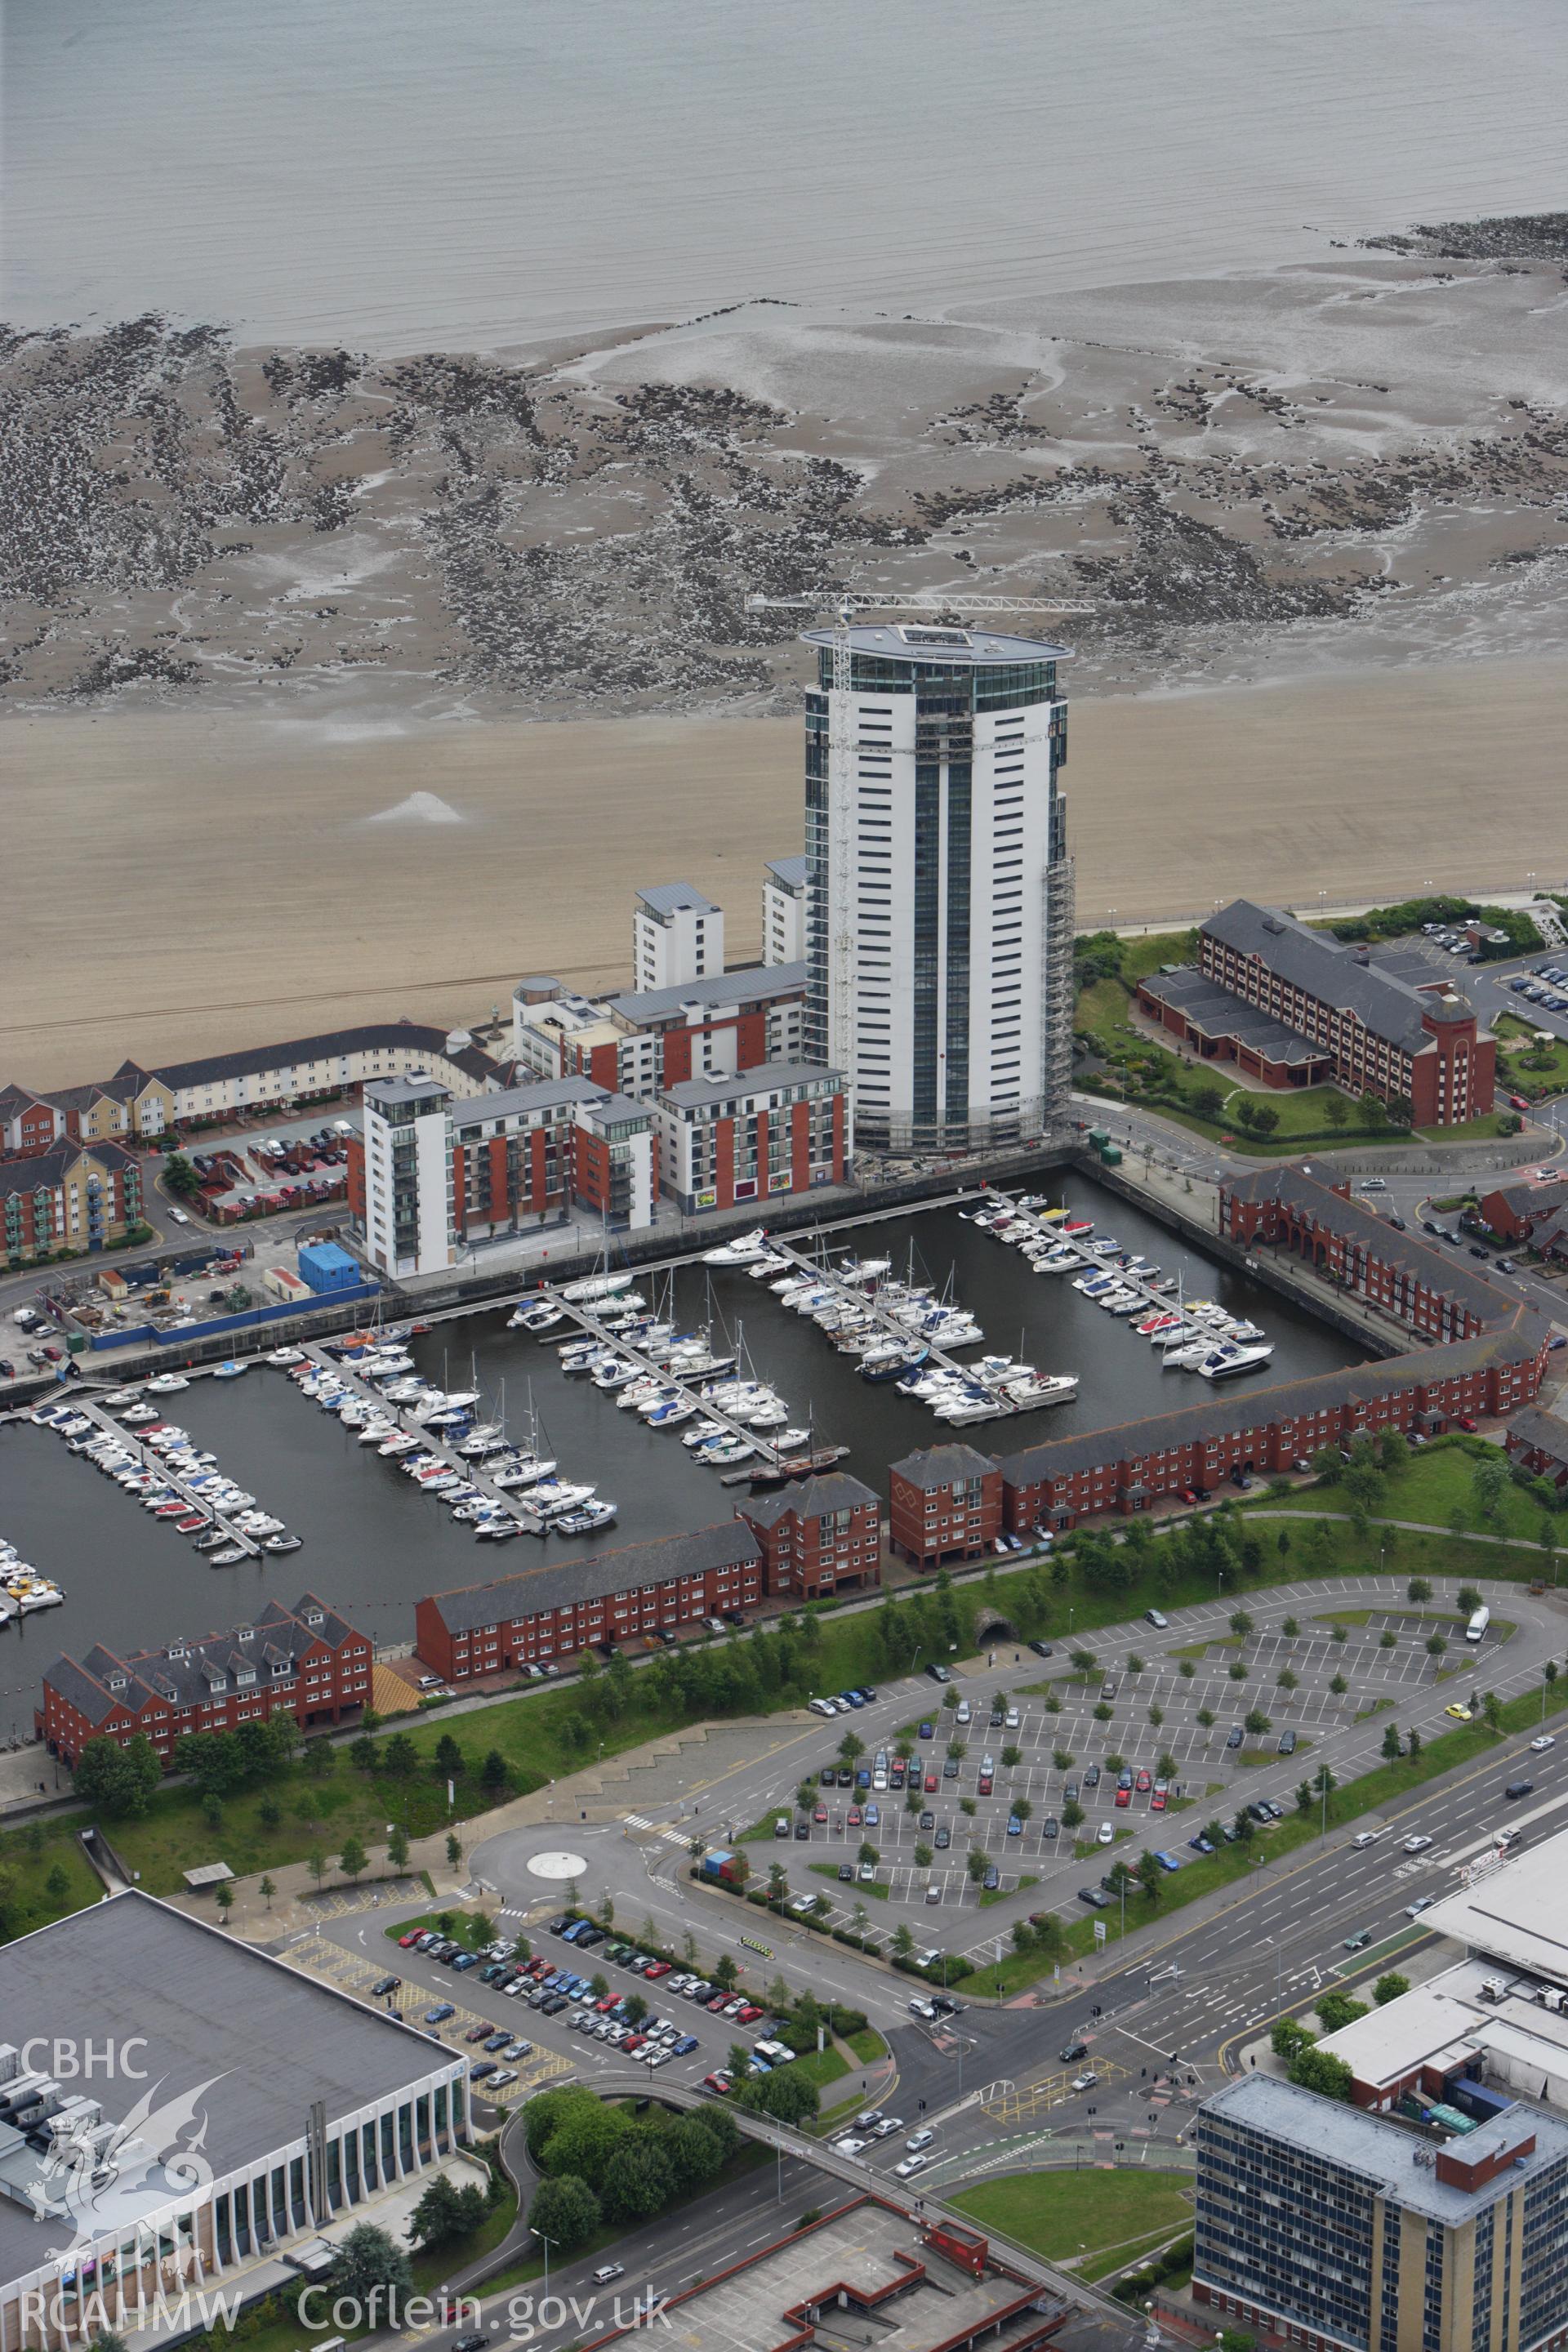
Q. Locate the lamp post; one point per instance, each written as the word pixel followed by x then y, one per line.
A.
pixel 546 2243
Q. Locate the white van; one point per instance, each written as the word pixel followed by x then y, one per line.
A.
pixel 1477 1628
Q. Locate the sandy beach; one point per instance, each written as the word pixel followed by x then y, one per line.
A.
pixel 181 882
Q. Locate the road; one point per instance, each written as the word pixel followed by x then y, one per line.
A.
pixel 1161 2023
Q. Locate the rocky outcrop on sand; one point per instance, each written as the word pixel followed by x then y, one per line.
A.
pixel 580 534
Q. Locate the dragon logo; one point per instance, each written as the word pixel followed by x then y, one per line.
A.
pixel 99 2176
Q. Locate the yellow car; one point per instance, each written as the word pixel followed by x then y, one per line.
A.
pixel 1460 1713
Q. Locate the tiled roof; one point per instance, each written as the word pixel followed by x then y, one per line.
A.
pixel 755 985
pixel 1389 1007
pixel 807 1498
pixel 555 1585
pixel 1531 1199
pixel 940 1466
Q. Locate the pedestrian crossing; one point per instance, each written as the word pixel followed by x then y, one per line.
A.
pixel 658 1829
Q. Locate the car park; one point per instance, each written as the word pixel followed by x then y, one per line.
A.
pixel 1105 1835
pixel 439 2014
pixel 1233 1738
pixel 383 1984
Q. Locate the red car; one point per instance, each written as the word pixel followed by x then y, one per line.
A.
pixel 852 1818
pixel 720 2002
pixel 985 1784
pixel 820 1815
pixel 634 2042
pixel 1467 1423
pixel 1189 1495
pixel 748 2015
pixel 412 1937
pixel 1157 1802
pixel 1144 1782
pixel 932 1784
pixel 719 2084
pixel 1124 1796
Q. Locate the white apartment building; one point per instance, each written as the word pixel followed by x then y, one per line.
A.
pixel 939 896
pixel 678 935
pixel 784 911
pixel 408 1225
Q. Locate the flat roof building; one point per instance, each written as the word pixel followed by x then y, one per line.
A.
pixel 232 2105
pixel 678 935
pixel 869 2273
pixel 1345 2231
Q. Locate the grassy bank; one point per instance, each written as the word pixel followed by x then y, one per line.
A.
pixel 1063 2215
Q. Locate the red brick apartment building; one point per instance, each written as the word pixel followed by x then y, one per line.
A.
pixel 782 1127
pixel 944 1503
pixel 307 1662
pixel 70 1196
pixel 818 1537
pixel 554 1612
pixel 1294 1008
pixel 1538 1441
pixel 646 1039
pixel 1488 1361
pixel 1518 1212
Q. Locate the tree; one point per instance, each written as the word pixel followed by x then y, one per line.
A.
pixel 721 2128
pixel 639 2179
pixel 1413 1743
pixel 1285 1679
pixel 924 1856
pixel 1490 1480
pixel 1392 1987
pixel 1257 1723
pixel 584 2141
pixel 225 1893
pixel 316 1864
pixel 1315 2070
pixel 353 1860
pixel 1338 1685
pixel 402 1757
pixel 692 2152
pixel 454 1849
pixel 180 1177
pixel 1391 1740
pixel 115 1780
pixel 1207 1101
pixel 867 1854
pixel 397 1847
pixel 448 1758
pixel 1240 1623
pixel 1288 2036
pixel 1072 1815
pixel 785 2095
pixel 268 1892
pixel 362 1753
pixel 725 1972
pixel 851 1749
pixel 1062 1759
pixel 1491 1709
pixel 445 2213
pixel 979 1863
pixel 1418 1589
pixel 566 2211
pixel 321 1759
pixel 368 2259
pixel 495 1773
pixel 1150 1876
pixel 903 1940
pixel 1214 1833
pixel 1336 2010
pixel 637 2009
pixel 778 1882
pixel 1336 1111
pixel 1370 1111
pixel 1435 1645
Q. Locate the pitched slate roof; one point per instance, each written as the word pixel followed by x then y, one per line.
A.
pixel 45 1169
pixel 1231 1409
pixel 1435 1269
pixel 1540 1431
pixel 555 1585
pixel 809 1498
pixel 940 1466
pixel 1531 1199
pixel 1214 1012
pixel 1389 1007
pixel 329 1045
pixel 278 1634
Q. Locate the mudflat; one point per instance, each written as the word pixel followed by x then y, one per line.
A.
pixel 183 882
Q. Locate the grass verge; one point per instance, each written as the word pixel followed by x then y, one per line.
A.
pixel 1061 2215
